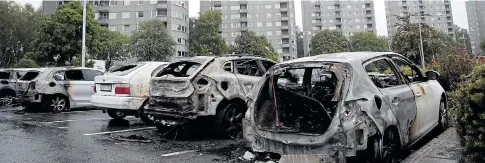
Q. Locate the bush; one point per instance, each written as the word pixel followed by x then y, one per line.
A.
pixel 452 67
pixel 468 112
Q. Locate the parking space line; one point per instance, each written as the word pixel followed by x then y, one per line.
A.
pixel 72 120
pixel 177 153
pixel 109 132
pixel 62 127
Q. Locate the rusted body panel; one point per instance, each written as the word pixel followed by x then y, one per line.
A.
pixel 362 113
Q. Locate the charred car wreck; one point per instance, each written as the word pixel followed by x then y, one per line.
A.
pixel 331 107
pixel 57 89
pixel 205 87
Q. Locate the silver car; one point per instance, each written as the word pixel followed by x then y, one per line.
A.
pixel 205 87
pixel 57 89
pixel 8 78
pixel 365 104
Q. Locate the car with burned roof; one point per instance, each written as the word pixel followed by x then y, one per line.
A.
pixel 57 88
pixel 124 90
pixel 205 86
pixel 332 107
pixel 8 78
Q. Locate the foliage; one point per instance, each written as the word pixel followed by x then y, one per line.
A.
pixel 152 42
pixel 482 46
pixel 113 46
pixel 367 41
pixel 204 38
pixel 452 67
pixel 328 41
pixel 26 63
pixel 249 43
pixel 60 36
pixel 469 113
pixel 18 27
pixel 407 41
pixel 463 38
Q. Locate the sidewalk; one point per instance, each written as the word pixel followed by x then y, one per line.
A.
pixel 443 149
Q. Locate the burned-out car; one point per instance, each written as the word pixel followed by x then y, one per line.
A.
pixel 57 89
pixel 8 78
pixel 205 86
pixel 332 107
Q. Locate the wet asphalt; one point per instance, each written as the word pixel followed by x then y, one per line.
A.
pixel 92 136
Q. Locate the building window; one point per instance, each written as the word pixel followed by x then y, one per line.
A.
pixel 267 6
pixel 269 24
pixel 278 33
pixel 126 2
pixel 125 15
pixel 269 33
pixel 139 14
pixel 260 24
pixel 113 2
pixel 112 15
pixel 126 28
pixel 140 2
pixel 268 15
pixel 235 8
pixel 112 27
pixel 278 24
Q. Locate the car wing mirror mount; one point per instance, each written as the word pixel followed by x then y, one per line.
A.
pixel 58 77
pixel 432 75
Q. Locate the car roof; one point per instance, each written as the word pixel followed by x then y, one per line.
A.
pixel 346 57
pixel 201 59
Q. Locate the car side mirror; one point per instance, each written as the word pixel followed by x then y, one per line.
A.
pixel 58 77
pixel 432 75
pixel 4 82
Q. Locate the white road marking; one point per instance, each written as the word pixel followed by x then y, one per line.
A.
pixel 62 127
pixel 177 153
pixel 109 132
pixel 72 120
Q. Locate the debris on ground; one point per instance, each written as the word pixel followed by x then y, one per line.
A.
pixel 231 152
pixel 131 138
pixel 248 156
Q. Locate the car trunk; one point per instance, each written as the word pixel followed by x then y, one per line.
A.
pixel 172 89
pixel 116 81
pixel 299 98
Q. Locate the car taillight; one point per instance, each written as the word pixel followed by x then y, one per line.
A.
pixel 122 89
pixel 94 88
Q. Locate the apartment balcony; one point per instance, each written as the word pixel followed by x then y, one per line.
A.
pixel 103 21
pixel 285 45
pixel 162 6
pixel 245 28
pixel 102 8
pixel 285 18
pixel 217 3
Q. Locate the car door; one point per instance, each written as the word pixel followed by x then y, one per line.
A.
pixel 248 73
pixel 395 93
pixel 427 111
pixel 79 88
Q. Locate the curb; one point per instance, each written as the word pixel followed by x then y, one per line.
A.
pixel 424 151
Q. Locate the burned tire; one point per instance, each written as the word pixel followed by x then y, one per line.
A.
pixel 229 120
pixel 443 116
pixel 6 97
pixel 147 119
pixel 116 114
pixel 390 147
pixel 56 103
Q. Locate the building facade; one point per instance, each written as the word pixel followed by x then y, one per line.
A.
pixel 434 13
pixel 476 22
pixel 346 16
pixel 125 15
pixel 274 19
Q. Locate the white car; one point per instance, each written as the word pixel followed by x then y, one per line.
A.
pixel 365 104
pixel 124 91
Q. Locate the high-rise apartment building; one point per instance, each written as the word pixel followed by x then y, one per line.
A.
pixel 476 22
pixel 345 16
pixel 274 19
pixel 125 15
pixel 434 13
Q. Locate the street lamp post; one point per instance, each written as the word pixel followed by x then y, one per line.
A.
pixel 84 36
pixel 421 45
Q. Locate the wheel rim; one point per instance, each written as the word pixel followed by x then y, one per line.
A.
pixel 58 104
pixel 119 113
pixel 389 148
pixel 443 114
pixel 234 119
pixel 8 100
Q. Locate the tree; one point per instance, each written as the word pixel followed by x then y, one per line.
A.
pixel 113 46
pixel 299 44
pixel 468 111
pixel 452 67
pixel 328 41
pixel 463 38
pixel 407 41
pixel 204 38
pixel 60 36
pixel 367 41
pixel 249 43
pixel 152 42
pixel 482 46
pixel 18 27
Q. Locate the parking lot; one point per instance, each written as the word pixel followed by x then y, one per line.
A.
pixel 92 136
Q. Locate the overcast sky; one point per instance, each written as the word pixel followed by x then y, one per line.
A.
pixel 458 7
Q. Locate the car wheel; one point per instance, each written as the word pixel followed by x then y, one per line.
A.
pixel 229 120
pixel 147 119
pixel 443 119
pixel 390 144
pixel 116 114
pixel 56 103
pixel 7 98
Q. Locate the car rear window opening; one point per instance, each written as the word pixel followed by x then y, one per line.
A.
pixel 180 69
pixel 4 75
pixel 31 75
pixel 125 69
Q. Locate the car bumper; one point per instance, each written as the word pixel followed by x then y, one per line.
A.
pixel 114 102
pixel 168 108
pixel 28 99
